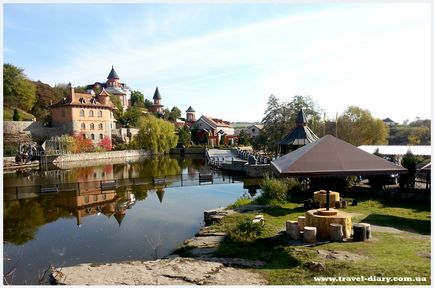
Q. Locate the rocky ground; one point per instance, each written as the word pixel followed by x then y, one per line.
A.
pixel 174 271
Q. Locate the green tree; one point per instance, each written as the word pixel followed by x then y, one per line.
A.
pixel 17 115
pixel 155 135
pixel 131 117
pixel 358 127
pixel 137 99
pixel 148 103
pixel 407 181
pixel 184 137
pixel 118 112
pixel 420 136
pixel 18 91
pixel 272 122
pixel 174 114
pixel 243 138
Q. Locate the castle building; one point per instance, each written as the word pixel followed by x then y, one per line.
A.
pixel 114 87
pixel 190 115
pixel 157 107
pixel 86 114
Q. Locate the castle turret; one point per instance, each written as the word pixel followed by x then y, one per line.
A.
pixel 190 115
pixel 113 79
pixel 157 107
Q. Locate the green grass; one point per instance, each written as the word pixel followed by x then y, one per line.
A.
pixel 8 113
pixel 388 254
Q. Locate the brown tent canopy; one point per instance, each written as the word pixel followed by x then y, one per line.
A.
pixel 330 156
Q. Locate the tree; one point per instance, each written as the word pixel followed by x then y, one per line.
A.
pixel 137 99
pixel 407 181
pixel 184 137
pixel 18 91
pixel 358 127
pixel 155 135
pixel 174 114
pixel 131 117
pixel 81 143
pixel 148 103
pixel 118 112
pixel 17 115
pixel 106 143
pixel 243 138
pixel 272 122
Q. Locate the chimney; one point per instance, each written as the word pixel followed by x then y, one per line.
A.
pixel 71 93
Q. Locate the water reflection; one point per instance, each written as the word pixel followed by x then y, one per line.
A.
pixel 83 224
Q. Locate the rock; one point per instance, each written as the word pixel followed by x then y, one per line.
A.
pixel 341 255
pixel 235 262
pixel 204 241
pixel 316 266
pixel 195 252
pixel 177 271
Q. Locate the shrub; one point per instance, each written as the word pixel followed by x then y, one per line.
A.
pixel 106 143
pixel 17 116
pixel 243 200
pixel 245 232
pixel 274 189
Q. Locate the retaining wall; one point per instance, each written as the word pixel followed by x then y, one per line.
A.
pixel 188 151
pixel 259 170
pixel 33 128
pixel 102 155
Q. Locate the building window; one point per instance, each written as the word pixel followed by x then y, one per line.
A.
pixel 83 126
pixel 82 113
pixel 86 199
pixel 253 130
pixel 101 136
pixel 92 126
pixel 91 113
pixel 100 113
pixel 95 198
pixel 84 136
pixel 100 126
pixel 92 136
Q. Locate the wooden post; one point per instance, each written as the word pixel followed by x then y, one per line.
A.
pixel 301 222
pixel 359 232
pixel 344 203
pixel 292 229
pixel 328 200
pixel 368 229
pixel 336 233
pixel 309 234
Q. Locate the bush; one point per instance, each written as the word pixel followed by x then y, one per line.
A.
pixel 274 189
pixel 245 232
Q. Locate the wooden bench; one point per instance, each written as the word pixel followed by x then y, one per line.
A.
pixel 51 189
pixel 109 185
pixel 203 178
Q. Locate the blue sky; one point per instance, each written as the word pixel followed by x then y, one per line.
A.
pixel 225 59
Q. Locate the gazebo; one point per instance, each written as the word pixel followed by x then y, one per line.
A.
pixel 330 156
pixel 299 136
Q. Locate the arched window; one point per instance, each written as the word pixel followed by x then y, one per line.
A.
pixel 91 113
pixel 83 126
pixel 92 126
pixel 82 113
pixel 92 136
pixel 100 113
pixel 100 126
pixel 101 136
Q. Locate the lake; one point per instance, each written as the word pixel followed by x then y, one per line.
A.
pixel 87 225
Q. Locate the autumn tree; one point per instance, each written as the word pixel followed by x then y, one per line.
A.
pixel 358 127
pixel 155 135
pixel 18 91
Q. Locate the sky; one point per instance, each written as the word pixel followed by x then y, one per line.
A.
pixel 226 59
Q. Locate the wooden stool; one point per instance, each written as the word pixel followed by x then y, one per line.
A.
pixel 301 222
pixel 309 234
pixel 292 229
pixel 344 203
pixel 359 232
pixel 368 229
pixel 336 233
pixel 338 204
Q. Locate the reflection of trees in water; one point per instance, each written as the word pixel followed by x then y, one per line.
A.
pixel 156 167
pixel 23 218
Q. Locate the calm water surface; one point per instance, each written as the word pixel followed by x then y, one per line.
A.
pixel 132 223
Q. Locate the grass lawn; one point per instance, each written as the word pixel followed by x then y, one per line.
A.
pixel 400 252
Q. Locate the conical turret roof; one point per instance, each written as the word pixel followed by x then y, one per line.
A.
pixel 190 109
pixel 113 74
pixel 157 95
pixel 301 118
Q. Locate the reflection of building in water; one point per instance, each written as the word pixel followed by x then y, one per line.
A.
pixel 160 194
pixel 90 203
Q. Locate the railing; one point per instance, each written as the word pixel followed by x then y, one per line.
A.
pixel 79 188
